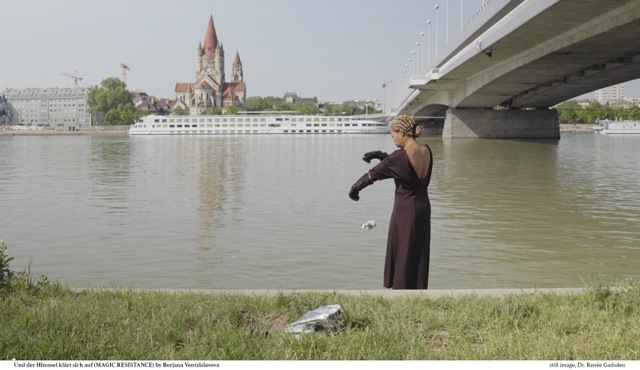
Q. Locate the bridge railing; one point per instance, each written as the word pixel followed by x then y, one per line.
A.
pixel 403 91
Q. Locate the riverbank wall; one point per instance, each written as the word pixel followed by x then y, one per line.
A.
pixel 66 130
pixel 576 128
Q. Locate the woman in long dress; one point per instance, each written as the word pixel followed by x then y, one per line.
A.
pixel 408 242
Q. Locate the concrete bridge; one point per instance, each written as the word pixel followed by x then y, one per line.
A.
pixel 498 77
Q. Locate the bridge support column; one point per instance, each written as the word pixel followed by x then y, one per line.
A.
pixel 501 124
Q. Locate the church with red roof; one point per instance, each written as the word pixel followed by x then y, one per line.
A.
pixel 211 88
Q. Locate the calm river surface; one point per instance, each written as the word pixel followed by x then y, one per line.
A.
pixel 272 212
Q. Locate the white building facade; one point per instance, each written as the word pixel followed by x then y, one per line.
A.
pixel 52 106
pixel 610 94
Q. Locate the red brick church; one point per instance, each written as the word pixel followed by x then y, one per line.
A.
pixel 211 88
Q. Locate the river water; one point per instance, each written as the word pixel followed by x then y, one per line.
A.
pixel 272 212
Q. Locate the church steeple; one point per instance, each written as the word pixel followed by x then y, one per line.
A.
pixel 236 74
pixel 210 39
pixel 211 87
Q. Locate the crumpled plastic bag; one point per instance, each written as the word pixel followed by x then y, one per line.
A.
pixel 323 318
pixel 369 225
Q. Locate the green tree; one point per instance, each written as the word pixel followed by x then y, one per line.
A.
pixel 633 113
pixel 276 104
pixel 272 103
pixel 213 111
pixel 129 116
pixel 112 117
pixel 622 109
pixel 308 109
pixel 568 111
pixel 595 111
pixel 231 110
pixel 113 101
pixel 331 110
pixel 254 103
pixel 179 112
pixel 342 110
pixel 572 112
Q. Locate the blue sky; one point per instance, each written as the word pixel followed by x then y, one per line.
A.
pixel 333 50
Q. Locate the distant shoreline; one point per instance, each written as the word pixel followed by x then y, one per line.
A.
pixel 577 127
pixel 124 130
pixel 92 130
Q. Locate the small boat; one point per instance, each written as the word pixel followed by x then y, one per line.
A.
pixel 257 124
pixel 619 127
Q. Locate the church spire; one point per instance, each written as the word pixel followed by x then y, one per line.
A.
pixel 210 39
pixel 236 71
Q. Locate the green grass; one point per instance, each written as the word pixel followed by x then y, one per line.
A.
pixel 44 321
pixel 56 323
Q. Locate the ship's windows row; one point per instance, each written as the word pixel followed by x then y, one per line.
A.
pixel 254 119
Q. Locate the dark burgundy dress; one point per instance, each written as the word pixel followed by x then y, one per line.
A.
pixel 407 260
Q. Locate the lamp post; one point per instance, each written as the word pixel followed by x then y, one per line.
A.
pixel 446 26
pixel 428 43
pixel 412 60
pixel 396 98
pixel 460 14
pixel 422 42
pixel 406 73
pixel 418 58
pixel 436 7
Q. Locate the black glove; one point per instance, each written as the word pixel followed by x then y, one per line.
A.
pixel 362 183
pixel 374 155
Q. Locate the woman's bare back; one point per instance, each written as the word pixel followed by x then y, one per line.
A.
pixel 419 158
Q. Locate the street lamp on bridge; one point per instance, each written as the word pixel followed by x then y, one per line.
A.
pixel 412 60
pixel 406 73
pixel 428 43
pixel 422 42
pixel 436 7
pixel 417 58
pixel 446 26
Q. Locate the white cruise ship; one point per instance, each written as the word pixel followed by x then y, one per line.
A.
pixel 256 124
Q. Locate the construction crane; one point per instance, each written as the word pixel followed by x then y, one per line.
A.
pixel 75 77
pixel 125 68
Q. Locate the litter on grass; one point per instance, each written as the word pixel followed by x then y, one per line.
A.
pixel 323 318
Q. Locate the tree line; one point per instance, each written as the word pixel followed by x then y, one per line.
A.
pixel 276 104
pixel 571 111
pixel 115 104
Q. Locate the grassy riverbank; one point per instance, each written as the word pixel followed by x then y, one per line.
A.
pixel 44 321
pixel 57 323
